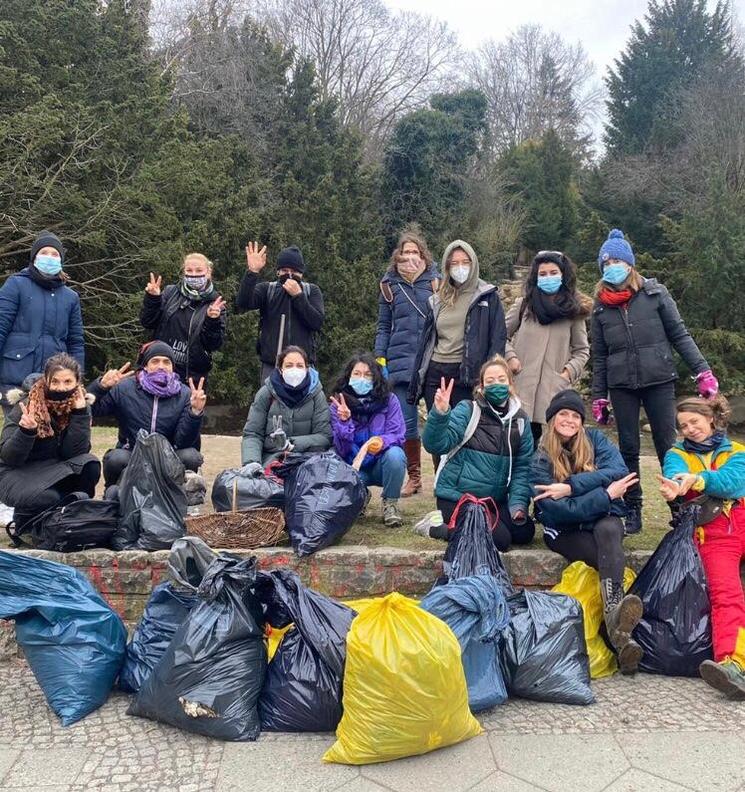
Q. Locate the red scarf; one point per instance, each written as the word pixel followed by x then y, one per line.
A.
pixel 615 298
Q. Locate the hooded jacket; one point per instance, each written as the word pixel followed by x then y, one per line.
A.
pixel 494 463
pixel 306 426
pixel 722 471
pixel 485 333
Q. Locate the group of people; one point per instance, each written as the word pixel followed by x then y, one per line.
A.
pixel 503 421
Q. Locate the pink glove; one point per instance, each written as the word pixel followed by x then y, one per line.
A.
pixel 708 384
pixel 601 411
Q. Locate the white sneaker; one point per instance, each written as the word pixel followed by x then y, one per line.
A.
pixel 431 520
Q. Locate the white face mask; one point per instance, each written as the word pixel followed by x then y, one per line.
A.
pixel 460 272
pixel 294 376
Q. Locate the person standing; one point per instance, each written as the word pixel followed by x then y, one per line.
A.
pixel 405 290
pixel 635 321
pixel 291 311
pixel 189 316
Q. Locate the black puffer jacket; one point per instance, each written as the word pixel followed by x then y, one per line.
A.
pixel 631 344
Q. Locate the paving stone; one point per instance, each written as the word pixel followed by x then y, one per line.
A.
pixel 501 782
pixel 362 785
pixel 54 766
pixel 7 757
pixel 638 781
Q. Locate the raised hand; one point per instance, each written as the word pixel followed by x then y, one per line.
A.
pixel 617 489
pixel 216 307
pixel 79 402
pixel 668 488
pixel 198 396
pixel 342 411
pixel 28 419
pixel 555 491
pixel 153 287
pixel 255 258
pixel 443 395
pixel 114 376
pixel 292 287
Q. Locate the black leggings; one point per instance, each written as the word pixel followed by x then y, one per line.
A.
pixel 601 548
pixel 461 391
pixel 506 533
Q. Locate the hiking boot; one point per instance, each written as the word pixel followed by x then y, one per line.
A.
pixel 632 523
pixel 363 511
pixel 727 677
pixel 622 614
pixel 431 520
pixel 391 516
pixel 413 449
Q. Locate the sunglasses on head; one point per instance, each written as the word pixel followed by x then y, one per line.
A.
pixel 550 255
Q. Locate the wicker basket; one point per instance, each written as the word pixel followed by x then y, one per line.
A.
pixel 235 529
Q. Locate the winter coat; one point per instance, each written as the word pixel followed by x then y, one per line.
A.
pixel 349 436
pixel 589 501
pixel 494 463
pixel 133 409
pixel 304 315
pixel 722 472
pixel 30 464
pixel 402 314
pixel 631 344
pixel 545 351
pixel 184 325
pixel 306 426
pixel 36 323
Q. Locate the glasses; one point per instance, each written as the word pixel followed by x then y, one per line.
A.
pixel 546 253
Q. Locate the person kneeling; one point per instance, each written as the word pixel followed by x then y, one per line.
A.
pixel 364 411
pixel 485 447
pixel 707 465
pixel 45 442
pixel 154 399
pixel 580 479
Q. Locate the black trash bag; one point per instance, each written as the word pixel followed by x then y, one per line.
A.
pixel 152 501
pixel 252 492
pixel 323 497
pixel 303 687
pixel 675 630
pixel 471 550
pixel 168 606
pixel 543 651
pixel 210 677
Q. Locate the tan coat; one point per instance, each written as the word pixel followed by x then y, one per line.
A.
pixel 545 351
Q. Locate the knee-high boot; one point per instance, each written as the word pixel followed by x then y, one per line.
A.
pixel 413 449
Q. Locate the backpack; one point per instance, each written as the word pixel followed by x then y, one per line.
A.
pixel 75 523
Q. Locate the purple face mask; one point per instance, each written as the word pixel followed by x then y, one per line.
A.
pixel 160 383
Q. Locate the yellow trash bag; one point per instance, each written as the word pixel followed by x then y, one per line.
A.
pixel 404 688
pixel 583 583
pixel 361 605
pixel 274 636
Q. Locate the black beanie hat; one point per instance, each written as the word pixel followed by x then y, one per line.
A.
pixel 566 400
pixel 291 257
pixel 47 239
pixel 154 349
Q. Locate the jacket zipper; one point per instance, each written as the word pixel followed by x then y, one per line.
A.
pixel 628 325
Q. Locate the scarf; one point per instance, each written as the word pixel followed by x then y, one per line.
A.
pixel 707 446
pixel 408 272
pixel 197 296
pixel 363 406
pixel 290 396
pixel 548 308
pixel 615 299
pixel 48 282
pixel 163 384
pixel 46 410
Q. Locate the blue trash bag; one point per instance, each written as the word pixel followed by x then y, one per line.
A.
pixel 73 641
pixel 210 677
pixel 476 610
pixel 168 606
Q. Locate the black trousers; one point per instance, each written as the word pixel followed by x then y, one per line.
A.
pixel 116 459
pixel 659 405
pixel 461 391
pixel 536 427
pixel 601 548
pixel 506 533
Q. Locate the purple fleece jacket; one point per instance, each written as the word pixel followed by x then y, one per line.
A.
pixel 387 423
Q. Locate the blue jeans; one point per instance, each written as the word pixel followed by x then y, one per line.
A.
pixel 411 414
pixel 388 472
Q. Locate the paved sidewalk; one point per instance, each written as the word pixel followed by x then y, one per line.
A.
pixel 647 734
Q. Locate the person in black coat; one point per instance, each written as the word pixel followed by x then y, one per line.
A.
pixel 46 441
pixel 299 302
pixel 152 398
pixel 189 316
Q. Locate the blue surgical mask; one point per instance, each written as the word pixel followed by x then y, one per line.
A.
pixel 615 274
pixel 549 284
pixel 360 385
pixel 48 265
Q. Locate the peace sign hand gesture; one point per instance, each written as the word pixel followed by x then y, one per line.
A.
pixel 342 410
pixel 443 396
pixel 216 307
pixel 115 376
pixel 153 287
pixel 198 396
pixel 28 419
pixel 255 258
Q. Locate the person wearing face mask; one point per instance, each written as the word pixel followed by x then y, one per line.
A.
pixel 46 441
pixel 465 327
pixel 289 413
pixel 405 290
pixel 579 479
pixel 152 398
pixel 634 324
pixel 291 311
pixel 547 348
pixel 366 416
pixel 39 316
pixel 485 447
pixel 189 316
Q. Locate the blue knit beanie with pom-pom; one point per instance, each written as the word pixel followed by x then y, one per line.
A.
pixel 616 247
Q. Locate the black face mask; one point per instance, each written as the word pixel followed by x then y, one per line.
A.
pixel 284 278
pixel 53 395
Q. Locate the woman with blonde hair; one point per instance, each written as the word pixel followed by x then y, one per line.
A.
pixel 579 479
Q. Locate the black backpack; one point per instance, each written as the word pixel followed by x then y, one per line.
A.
pixel 76 523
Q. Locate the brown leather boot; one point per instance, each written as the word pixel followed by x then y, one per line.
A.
pixel 413 449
